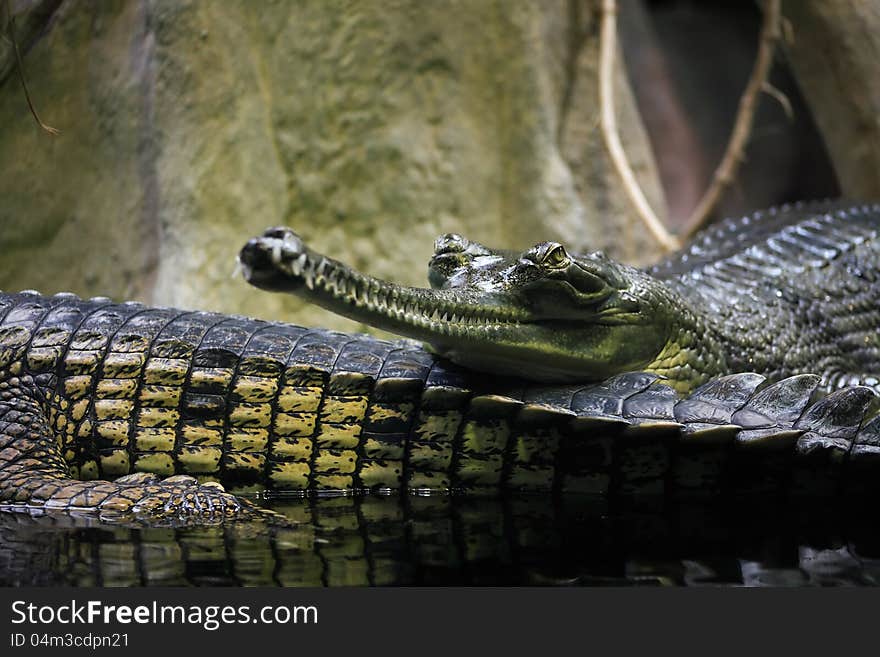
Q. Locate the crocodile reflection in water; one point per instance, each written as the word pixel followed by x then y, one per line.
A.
pixel 521 540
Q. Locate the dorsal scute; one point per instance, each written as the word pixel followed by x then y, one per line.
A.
pixel 781 402
pixel 839 414
pixel 607 398
pixel 719 398
pixel 865 451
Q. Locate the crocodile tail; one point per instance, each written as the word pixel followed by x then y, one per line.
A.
pixel 34 476
pixel 632 435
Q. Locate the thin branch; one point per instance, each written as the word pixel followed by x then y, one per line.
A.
pixel 607 48
pixel 726 171
pixel 20 67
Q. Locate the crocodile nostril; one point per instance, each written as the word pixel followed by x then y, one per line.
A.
pixel 253 254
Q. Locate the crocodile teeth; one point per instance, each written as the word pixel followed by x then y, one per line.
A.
pixel 297 266
pixel 239 268
pixel 345 285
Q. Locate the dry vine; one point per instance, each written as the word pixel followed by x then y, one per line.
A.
pixel 742 128
pixel 607 47
pixel 734 153
pixel 20 67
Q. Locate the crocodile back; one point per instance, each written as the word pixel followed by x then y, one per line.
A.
pixel 806 233
pixel 790 290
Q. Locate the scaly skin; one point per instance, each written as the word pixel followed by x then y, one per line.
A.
pixel 94 391
pixel 785 292
pixel 97 391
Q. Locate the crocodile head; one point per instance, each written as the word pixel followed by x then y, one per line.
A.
pixel 541 314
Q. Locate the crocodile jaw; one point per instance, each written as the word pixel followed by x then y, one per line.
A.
pixel 486 330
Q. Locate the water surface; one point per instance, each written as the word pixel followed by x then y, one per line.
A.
pixel 459 540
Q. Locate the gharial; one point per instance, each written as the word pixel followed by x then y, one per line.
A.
pixel 768 325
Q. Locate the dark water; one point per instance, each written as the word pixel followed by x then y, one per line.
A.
pixel 531 540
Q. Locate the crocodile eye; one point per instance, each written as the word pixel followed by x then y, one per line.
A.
pixel 555 257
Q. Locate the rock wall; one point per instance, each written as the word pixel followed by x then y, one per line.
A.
pixel 187 127
pixel 834 49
